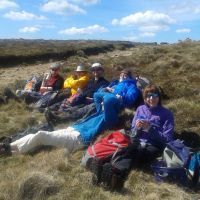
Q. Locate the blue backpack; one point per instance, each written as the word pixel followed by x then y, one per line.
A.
pixel 176 154
pixel 173 166
pixel 194 168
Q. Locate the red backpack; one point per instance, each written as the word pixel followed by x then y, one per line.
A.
pixel 106 147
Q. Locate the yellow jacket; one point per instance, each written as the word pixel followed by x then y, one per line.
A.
pixel 74 84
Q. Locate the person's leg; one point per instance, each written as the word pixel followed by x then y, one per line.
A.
pixel 98 99
pixel 145 155
pixel 32 97
pixel 111 109
pixel 71 113
pixel 68 138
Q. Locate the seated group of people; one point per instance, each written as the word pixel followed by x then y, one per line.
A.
pixel 101 102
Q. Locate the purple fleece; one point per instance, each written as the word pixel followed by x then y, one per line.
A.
pixel 161 124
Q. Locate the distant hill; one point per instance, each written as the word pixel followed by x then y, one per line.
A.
pixel 17 51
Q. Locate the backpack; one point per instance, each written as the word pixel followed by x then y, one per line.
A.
pixel 100 159
pixel 194 168
pixel 176 154
pixel 33 84
pixel 173 166
pixel 106 147
pixel 142 82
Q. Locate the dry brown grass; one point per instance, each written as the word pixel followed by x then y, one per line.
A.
pixel 54 174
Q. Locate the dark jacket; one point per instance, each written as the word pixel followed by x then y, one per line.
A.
pixel 93 86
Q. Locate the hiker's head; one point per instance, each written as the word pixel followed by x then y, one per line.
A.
pixel 55 67
pixel 125 74
pixel 151 95
pixel 80 71
pixel 97 70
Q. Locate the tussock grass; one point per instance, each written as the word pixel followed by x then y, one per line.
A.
pixel 37 186
pixel 186 113
pixel 15 116
pixel 55 174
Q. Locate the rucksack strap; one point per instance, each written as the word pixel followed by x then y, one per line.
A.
pixel 93 151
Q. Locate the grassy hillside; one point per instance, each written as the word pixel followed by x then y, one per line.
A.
pixel 55 174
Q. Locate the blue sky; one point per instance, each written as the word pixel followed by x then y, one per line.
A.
pixel 132 20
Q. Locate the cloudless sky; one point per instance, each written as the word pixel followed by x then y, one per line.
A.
pixel 132 20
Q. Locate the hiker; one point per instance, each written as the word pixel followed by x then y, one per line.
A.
pixel 74 111
pixel 119 94
pixel 52 81
pixel 77 135
pixel 77 81
pixel 152 127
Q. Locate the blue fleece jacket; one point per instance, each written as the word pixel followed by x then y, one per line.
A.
pixel 128 90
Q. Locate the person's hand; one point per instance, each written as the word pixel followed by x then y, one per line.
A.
pixel 89 99
pixel 119 96
pixel 75 76
pixel 79 91
pixel 142 124
pixel 109 89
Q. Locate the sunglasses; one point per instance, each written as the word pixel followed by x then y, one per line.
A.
pixel 153 95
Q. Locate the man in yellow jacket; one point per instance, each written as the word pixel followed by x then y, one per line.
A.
pixel 77 81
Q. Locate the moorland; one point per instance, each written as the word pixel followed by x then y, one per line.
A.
pixel 55 174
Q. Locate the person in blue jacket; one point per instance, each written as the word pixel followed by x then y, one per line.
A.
pixel 78 135
pixel 119 94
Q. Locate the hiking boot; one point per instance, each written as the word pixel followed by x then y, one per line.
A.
pixel 117 182
pixel 5 149
pixel 96 169
pixel 106 175
pixel 50 117
pixel 2 100
pixel 112 178
pixel 5 139
pixel 8 94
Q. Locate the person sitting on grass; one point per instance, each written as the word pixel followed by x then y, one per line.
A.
pixel 152 127
pixel 52 81
pixel 82 133
pixel 77 81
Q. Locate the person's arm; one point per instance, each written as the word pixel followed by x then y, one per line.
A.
pixel 76 83
pixel 130 96
pixel 164 133
pixel 82 81
pixel 133 124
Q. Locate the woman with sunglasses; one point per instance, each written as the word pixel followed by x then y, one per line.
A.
pixel 152 125
pixel 152 128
